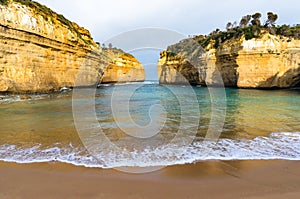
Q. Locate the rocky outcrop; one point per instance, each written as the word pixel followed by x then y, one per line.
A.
pixel 268 62
pixel 41 51
pixel 124 68
pixel 180 64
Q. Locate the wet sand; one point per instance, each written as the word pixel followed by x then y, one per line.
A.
pixel 212 179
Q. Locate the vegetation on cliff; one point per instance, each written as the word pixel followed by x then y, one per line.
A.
pixel 117 52
pixel 53 17
pixel 41 52
pixel 269 61
pixel 251 27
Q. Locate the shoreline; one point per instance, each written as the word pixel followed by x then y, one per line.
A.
pixel 208 179
pixel 70 89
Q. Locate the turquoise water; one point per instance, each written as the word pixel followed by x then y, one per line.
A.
pixel 259 124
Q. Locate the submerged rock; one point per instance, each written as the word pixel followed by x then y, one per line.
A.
pixel 25 97
pixel 65 89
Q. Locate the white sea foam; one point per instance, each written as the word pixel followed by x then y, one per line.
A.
pixel 285 146
pixel 129 83
pixel 8 99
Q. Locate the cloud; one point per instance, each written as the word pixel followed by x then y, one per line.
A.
pixel 108 18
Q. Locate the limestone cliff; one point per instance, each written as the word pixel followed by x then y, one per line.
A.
pixel 180 64
pixel 124 68
pixel 266 62
pixel 41 51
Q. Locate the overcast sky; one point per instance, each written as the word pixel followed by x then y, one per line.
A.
pixel 108 18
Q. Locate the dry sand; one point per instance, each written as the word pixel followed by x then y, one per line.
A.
pixel 212 179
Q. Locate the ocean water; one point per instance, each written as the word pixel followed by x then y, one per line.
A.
pixel 245 124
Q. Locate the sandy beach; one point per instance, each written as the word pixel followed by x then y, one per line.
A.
pixel 211 88
pixel 212 179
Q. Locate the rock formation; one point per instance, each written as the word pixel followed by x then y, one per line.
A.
pixel 124 68
pixel 41 51
pixel 266 62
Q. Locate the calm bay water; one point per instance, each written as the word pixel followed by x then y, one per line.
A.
pixel 259 124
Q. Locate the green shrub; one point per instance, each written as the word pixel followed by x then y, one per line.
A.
pixel 47 14
pixel 287 31
pixel 249 31
pixel 3 2
pixel 171 54
pixel 252 32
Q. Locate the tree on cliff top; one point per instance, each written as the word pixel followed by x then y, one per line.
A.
pixel 256 19
pixel 271 19
pixel 245 21
pixel 228 26
pixel 250 29
pixel 256 16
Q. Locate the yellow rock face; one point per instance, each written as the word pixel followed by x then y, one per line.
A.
pixel 268 62
pixel 42 51
pixel 123 68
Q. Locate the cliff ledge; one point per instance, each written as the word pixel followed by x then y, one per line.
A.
pixel 270 61
pixel 42 51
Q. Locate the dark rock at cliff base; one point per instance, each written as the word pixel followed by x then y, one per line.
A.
pixel 266 62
